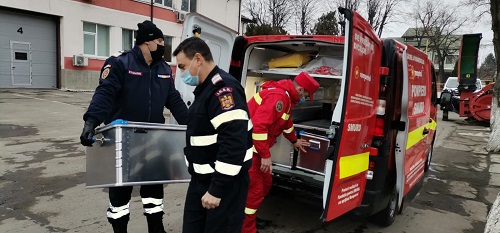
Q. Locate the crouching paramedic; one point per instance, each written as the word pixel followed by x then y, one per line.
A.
pixel 218 143
pixel 135 86
pixel 270 112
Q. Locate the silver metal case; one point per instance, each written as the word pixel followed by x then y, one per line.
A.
pixel 136 153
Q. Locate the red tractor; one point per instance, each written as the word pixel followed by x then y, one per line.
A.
pixel 467 101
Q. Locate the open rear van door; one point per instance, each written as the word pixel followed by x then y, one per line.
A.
pixel 346 167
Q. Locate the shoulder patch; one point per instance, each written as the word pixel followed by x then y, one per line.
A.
pixel 226 101
pixel 105 72
pixel 279 106
pixel 119 53
pixel 217 78
pixel 223 90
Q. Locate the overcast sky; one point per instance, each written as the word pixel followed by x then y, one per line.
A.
pixel 401 24
pixel 482 25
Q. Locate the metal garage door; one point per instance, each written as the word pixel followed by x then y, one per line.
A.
pixel 28 55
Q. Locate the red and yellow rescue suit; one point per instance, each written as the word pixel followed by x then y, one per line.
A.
pixel 270 112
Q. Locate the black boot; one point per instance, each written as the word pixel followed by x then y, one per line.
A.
pixel 155 224
pixel 261 223
pixel 119 228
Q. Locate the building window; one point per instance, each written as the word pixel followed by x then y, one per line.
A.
pixel 128 39
pixel 167 3
pixel 95 39
pixel 168 48
pixel 188 5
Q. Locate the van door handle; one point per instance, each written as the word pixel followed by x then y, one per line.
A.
pixel 425 132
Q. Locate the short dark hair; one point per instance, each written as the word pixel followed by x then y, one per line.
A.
pixel 193 45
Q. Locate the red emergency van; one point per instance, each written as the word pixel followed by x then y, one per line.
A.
pixel 372 122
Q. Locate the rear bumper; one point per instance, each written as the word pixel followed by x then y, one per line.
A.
pixel 373 202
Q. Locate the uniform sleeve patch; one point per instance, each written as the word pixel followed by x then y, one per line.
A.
pixel 163 76
pixel 279 106
pixel 226 101
pixel 135 73
pixel 105 73
pixel 223 90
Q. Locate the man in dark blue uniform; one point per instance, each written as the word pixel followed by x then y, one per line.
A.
pixel 218 143
pixel 135 86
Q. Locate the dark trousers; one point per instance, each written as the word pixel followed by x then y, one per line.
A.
pixel 152 199
pixel 227 218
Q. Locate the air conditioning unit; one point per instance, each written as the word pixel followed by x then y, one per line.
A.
pixel 180 16
pixel 80 60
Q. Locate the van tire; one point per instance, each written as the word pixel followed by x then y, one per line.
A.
pixel 387 216
pixel 428 158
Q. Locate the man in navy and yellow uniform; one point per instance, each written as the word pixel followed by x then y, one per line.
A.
pixel 135 86
pixel 218 143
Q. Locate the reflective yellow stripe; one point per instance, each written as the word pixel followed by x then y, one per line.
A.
pixel 285 116
pixel 237 114
pixel 259 136
pixel 203 168
pixel 288 130
pixel 153 210
pixel 432 124
pixel 254 150
pixel 257 98
pixel 206 140
pixel 150 200
pixel 353 164
pixel 227 168
pixel 248 154
pixel 417 135
pixel 250 211
pixel 118 212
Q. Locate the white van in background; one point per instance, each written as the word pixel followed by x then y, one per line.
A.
pixel 451 84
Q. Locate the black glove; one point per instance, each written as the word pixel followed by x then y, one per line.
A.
pixel 89 131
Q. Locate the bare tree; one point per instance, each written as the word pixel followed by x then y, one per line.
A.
pixel 351 4
pixel 480 6
pixel 441 25
pixel 387 13
pixel 257 9
pixel 280 12
pixel 276 13
pixel 304 15
pixel 373 8
pixel 378 13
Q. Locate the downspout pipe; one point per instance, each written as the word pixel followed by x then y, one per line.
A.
pixel 152 10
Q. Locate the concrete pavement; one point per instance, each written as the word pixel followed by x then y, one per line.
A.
pixel 42 169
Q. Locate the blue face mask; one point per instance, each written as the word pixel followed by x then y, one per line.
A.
pixel 302 100
pixel 188 79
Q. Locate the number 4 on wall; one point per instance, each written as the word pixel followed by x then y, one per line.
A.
pixel 20 30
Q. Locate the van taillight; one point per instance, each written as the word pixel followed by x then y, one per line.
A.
pixel 379 127
pixel 371 166
pixel 369 173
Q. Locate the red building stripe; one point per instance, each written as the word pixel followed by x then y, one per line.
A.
pixel 94 64
pixel 134 7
